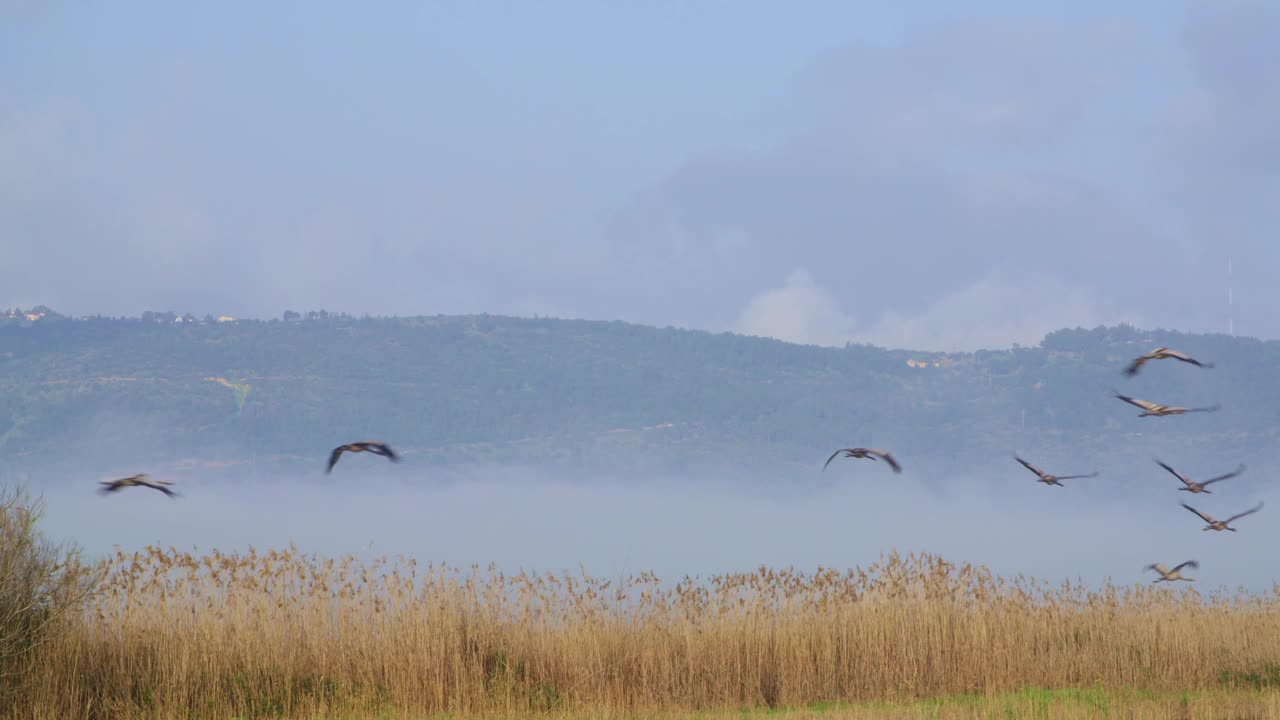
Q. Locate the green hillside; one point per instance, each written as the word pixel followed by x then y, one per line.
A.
pixel 464 389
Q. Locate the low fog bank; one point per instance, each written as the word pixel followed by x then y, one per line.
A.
pixel 675 525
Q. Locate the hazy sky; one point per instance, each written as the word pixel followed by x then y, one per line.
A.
pixel 817 171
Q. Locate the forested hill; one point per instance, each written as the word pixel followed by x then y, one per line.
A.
pixel 447 390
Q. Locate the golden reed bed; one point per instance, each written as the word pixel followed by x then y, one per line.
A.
pixel 283 634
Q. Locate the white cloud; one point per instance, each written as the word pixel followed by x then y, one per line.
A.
pixel 800 311
pixel 995 312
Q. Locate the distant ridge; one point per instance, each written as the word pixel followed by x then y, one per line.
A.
pixel 484 388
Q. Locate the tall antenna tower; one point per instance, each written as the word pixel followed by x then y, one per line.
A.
pixel 1231 319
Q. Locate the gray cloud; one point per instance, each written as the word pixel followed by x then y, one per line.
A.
pixel 1226 122
pixel 101 219
pixel 1218 155
pixel 1082 169
pixel 983 161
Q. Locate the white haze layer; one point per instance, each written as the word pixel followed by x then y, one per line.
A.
pixel 674 526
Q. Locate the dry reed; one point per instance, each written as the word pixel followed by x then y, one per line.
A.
pixel 283 634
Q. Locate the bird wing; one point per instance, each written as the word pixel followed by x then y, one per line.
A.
pixel 833 457
pixel 1073 477
pixel 161 488
pixel 1158 568
pixel 1212 408
pixel 1031 467
pixel 1255 509
pixel 1148 406
pixel 1189 563
pixel 892 463
pixel 1186 480
pixel 388 452
pixel 887 458
pixel 1228 476
pixel 113 485
pixel 1136 365
pixel 333 457
pixel 377 447
pixel 1204 517
pixel 1186 358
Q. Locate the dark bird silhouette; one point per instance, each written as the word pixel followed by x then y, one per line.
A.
pixel 863 453
pixel 1175 573
pixel 1221 525
pixel 1150 408
pixel 1161 353
pixel 373 446
pixel 1198 487
pixel 1048 479
pixel 110 486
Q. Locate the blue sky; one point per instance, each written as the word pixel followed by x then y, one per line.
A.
pixel 924 175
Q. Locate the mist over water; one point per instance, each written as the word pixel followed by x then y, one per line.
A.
pixel 1093 529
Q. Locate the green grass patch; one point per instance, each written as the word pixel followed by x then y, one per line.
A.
pixel 1268 678
pixel 1027 702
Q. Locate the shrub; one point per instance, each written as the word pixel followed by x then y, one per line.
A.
pixel 40 583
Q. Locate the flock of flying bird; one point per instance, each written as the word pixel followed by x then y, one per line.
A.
pixel 374 446
pixel 1149 409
